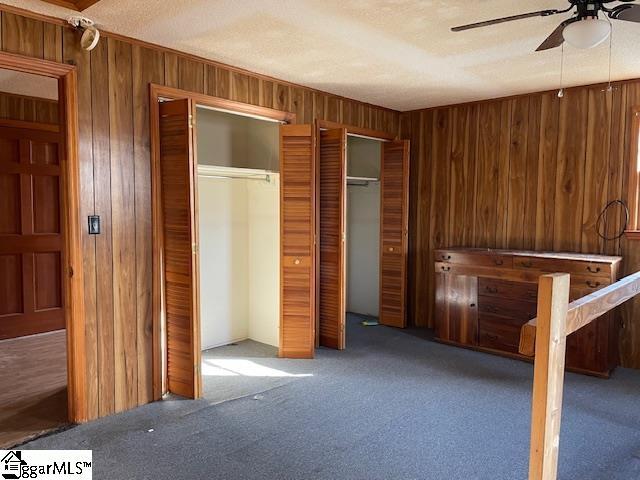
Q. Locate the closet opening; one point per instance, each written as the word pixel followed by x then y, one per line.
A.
pixel 238 218
pixel 363 213
pixel 362 233
pixel 233 195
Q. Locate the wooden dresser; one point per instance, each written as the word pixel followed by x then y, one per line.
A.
pixel 483 297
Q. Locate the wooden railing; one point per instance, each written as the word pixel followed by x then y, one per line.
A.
pixel 546 336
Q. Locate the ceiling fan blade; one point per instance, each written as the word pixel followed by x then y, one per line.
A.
pixel 541 13
pixel 555 39
pixel 630 13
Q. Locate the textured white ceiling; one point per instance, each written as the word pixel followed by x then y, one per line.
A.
pixel 20 83
pixel 395 53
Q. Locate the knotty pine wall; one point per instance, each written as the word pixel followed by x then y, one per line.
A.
pixel 115 179
pixel 530 172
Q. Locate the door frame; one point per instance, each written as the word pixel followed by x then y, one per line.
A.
pixel 156 93
pixel 72 260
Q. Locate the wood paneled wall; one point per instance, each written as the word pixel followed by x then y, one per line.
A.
pixel 28 109
pixel 529 172
pixel 115 179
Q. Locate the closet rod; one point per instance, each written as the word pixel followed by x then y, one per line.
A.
pixel 264 177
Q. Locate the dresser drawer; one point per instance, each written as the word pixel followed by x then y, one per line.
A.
pixel 516 309
pixel 480 259
pixel 499 333
pixel 552 265
pixel 506 289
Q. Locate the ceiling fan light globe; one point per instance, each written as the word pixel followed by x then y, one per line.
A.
pixel 587 33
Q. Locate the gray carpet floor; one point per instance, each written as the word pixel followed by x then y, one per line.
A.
pixel 391 406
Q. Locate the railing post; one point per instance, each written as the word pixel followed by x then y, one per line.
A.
pixel 548 378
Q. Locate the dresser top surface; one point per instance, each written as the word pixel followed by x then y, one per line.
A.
pixel 583 257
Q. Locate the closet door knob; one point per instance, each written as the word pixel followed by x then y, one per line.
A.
pixel 296 261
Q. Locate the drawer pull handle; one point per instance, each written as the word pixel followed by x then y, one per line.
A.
pixel 593 270
pixel 593 284
pixel 473 305
pixel 498 261
pixel 492 290
pixel 446 257
pixel 391 249
pixel 526 264
pixel 445 268
pixel 296 261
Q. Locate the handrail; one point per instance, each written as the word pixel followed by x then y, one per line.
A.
pixel 557 318
pixel 584 310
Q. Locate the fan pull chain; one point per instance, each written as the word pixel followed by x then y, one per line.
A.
pixel 609 87
pixel 561 91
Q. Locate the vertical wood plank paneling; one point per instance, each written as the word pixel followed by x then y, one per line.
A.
pixel 223 83
pixel 531 182
pixel 547 159
pixel 570 170
pixel 281 97
pixel 123 224
pixel 617 166
pixel 517 160
pixel 209 80
pixel 487 168
pixel 172 70
pixel 190 75
pixel 424 277
pixel 598 134
pixel 461 196
pixel 104 241
pixel 52 42
pixel 82 60
pixel 148 67
pixel 502 197
pixel 22 35
pixel 239 87
pixel 440 172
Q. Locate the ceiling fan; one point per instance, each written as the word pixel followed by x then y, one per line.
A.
pixel 583 30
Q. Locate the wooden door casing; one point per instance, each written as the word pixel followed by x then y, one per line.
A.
pixel 394 221
pixel 31 233
pixel 332 218
pixel 297 241
pixel 180 240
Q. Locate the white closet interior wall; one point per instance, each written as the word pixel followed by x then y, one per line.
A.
pixel 239 230
pixel 363 227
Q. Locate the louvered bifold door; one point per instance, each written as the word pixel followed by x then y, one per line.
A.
pixel 180 245
pixel 297 240
pixel 333 186
pixel 394 218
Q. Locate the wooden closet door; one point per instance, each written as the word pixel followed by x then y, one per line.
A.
pixel 333 192
pixel 297 240
pixel 31 233
pixel 178 184
pixel 394 218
